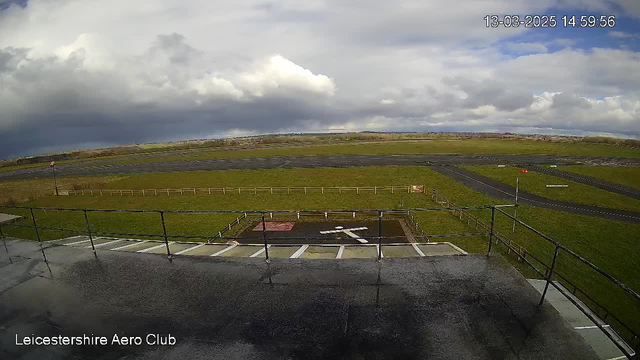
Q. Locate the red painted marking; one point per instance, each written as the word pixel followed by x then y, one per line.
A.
pixel 275 226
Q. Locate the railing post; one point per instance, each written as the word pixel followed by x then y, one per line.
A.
pixel 86 221
pixel 379 235
pixel 166 238
pixel 493 219
pixel 5 244
pixel 550 275
pixel 264 237
pixel 35 226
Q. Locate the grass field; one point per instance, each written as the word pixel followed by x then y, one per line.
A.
pixel 624 175
pixel 611 245
pixel 535 183
pixel 377 147
pixel 492 146
pixel 18 191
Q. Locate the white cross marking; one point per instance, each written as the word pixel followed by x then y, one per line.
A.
pixel 348 232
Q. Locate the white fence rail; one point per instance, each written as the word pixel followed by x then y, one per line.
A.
pixel 250 190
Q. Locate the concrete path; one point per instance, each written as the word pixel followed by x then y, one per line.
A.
pixel 499 190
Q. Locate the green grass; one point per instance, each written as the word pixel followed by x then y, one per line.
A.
pixel 624 175
pixel 535 183
pixel 611 245
pixel 375 146
pixel 492 146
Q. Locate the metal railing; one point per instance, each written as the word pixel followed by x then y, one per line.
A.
pixel 547 272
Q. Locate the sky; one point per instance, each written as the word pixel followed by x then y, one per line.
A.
pixel 85 73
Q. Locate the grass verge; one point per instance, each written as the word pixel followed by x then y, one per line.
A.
pixel 535 183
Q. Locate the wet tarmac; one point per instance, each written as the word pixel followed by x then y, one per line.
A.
pixel 443 307
pixel 309 232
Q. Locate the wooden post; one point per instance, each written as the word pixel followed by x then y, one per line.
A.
pixel 305 190
pixel 255 192
pixel 375 189
pixel 357 190
pixel 142 192
pixel 289 191
pixel 100 192
pixel 322 189
pixel 209 191
pixel 392 189
pixel 224 191
pixel 271 191
pixel 239 191
pixel 120 192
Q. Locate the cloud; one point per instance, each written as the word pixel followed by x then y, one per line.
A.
pixel 81 73
pixel 526 47
pixel 623 35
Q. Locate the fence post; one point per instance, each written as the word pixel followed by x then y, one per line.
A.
pixel 264 237
pixel 550 275
pixel 35 226
pixel 305 190
pixel 166 238
pixel 5 244
pixel 493 218
pixel 224 191
pixel 409 189
pixel 288 190
pixel 357 190
pixel 322 190
pixel 375 190
pixel 86 220
pixel 392 189
pixel 379 235
pixel 271 191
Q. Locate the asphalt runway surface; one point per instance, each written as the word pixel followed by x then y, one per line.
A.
pixel 499 190
pixel 94 167
pixel 449 307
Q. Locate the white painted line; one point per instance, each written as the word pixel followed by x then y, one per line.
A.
pixel 105 244
pixel 130 245
pixel 343 230
pixel 590 327
pixel 417 249
pixel 224 250
pixel 299 252
pixel 189 249
pixel 618 358
pixel 151 248
pixel 259 251
pixel 340 252
pixel 67 238
pixel 77 242
pixel 457 248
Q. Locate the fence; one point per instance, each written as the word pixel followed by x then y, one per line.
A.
pixel 379 213
pixel 548 272
pixel 252 190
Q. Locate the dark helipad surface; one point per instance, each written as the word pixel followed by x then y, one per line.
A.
pixel 309 232
pixel 449 307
